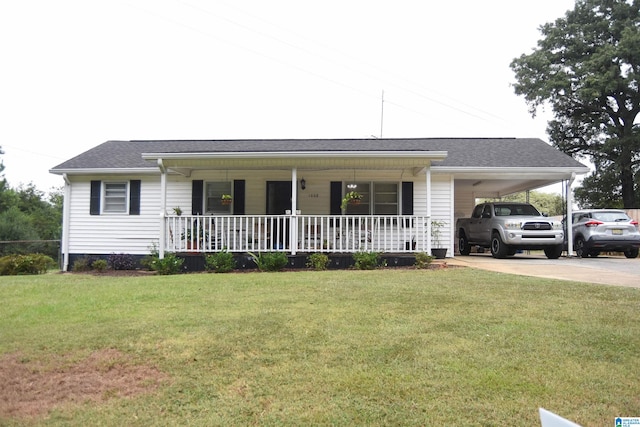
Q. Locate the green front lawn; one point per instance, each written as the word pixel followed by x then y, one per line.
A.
pixel 454 346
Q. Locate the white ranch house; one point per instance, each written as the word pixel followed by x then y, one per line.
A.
pixel 125 196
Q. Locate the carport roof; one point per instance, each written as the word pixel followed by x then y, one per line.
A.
pixel 461 153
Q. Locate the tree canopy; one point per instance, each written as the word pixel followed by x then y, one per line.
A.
pixel 586 69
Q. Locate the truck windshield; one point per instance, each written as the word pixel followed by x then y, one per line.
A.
pixel 513 210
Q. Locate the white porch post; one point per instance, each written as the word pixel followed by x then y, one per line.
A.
pixel 163 209
pixel 66 214
pixel 428 178
pixel 293 224
pixel 569 223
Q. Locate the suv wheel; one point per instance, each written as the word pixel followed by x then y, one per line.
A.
pixel 581 252
pixel 498 248
pixel 631 253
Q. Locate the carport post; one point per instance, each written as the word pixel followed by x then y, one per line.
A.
pixel 569 222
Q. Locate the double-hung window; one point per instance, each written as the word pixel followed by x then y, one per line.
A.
pixel 115 197
pixel 377 198
pixel 385 196
pixel 213 196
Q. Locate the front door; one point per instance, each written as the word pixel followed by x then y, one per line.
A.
pixel 278 197
pixel 278 202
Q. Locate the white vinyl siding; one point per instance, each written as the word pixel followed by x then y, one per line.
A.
pixel 107 234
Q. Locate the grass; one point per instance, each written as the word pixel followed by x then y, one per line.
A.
pixel 387 347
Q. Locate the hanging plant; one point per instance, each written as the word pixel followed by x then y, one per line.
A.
pixel 351 198
pixel 226 199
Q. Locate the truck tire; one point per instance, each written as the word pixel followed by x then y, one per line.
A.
pixel 498 248
pixel 553 252
pixel 463 244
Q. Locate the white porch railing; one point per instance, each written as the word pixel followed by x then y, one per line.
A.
pixel 297 233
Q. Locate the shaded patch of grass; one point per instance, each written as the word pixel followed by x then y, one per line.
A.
pixel 408 347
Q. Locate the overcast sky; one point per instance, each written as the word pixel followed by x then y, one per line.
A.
pixel 76 73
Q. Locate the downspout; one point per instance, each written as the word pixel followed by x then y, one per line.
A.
pixel 569 230
pixel 163 209
pixel 428 232
pixel 293 225
pixel 66 214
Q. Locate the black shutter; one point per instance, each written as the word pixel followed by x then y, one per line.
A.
pixel 407 199
pixel 238 196
pixel 197 197
pixel 94 199
pixel 134 197
pixel 335 198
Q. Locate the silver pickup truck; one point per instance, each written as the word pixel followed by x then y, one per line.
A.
pixel 507 227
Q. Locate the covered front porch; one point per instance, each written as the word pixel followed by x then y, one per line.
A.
pixel 294 233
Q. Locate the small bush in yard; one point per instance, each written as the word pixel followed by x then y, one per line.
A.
pixel 366 260
pixel 100 265
pixel 12 265
pixel 121 262
pixel 270 261
pixel 423 260
pixel 318 261
pixel 170 264
pixel 220 262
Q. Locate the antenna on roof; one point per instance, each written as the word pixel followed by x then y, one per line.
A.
pixel 382 114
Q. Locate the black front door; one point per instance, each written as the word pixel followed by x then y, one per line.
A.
pixel 278 197
pixel 278 202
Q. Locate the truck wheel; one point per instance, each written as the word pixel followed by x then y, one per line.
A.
pixel 463 244
pixel 553 252
pixel 581 252
pixel 498 248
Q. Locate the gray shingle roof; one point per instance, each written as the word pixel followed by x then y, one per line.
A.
pixel 462 152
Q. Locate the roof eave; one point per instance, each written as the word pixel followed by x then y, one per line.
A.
pixel 99 171
pixel 524 170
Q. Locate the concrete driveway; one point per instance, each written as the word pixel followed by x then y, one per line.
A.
pixel 606 270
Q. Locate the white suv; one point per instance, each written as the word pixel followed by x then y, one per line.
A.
pixel 605 230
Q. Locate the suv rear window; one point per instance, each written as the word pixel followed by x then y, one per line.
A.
pixel 610 216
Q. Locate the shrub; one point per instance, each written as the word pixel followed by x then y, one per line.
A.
pixel 121 262
pixel 12 265
pixel 99 265
pixel 270 261
pixel 318 261
pixel 170 264
pixel 366 260
pixel 423 260
pixel 220 262
pixel 82 264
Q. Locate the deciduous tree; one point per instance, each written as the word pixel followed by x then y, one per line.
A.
pixel 586 69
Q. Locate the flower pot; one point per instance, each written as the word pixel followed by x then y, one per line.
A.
pixel 226 202
pixel 439 253
pixel 354 201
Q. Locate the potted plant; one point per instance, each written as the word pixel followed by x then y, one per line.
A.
pixel 226 199
pixel 437 250
pixel 177 211
pixel 351 198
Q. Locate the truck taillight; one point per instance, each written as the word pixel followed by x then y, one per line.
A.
pixel 593 223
